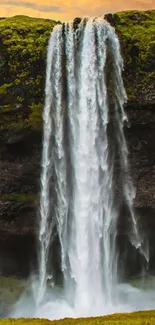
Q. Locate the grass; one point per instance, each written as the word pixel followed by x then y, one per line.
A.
pixel 138 318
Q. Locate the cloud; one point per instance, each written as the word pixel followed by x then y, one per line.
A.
pixel 68 9
pixel 32 5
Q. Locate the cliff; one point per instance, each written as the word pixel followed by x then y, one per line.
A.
pixel 136 31
pixel 23 45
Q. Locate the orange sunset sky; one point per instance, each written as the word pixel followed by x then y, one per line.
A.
pixel 68 9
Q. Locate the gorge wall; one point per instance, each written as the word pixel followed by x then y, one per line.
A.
pixel 23 44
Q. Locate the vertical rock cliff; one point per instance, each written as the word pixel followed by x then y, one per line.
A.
pixel 23 44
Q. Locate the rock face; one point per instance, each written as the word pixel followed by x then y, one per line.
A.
pixel 23 43
pixel 19 179
pixel 141 145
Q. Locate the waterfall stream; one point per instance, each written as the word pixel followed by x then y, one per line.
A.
pixel 85 181
pixel 78 205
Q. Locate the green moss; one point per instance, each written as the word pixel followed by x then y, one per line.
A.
pixel 139 318
pixel 35 117
pixel 136 31
pixel 23 47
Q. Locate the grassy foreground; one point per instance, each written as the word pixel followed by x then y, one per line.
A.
pixel 138 318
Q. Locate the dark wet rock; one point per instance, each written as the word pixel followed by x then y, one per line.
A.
pixel 76 23
pixel 20 156
pixel 110 18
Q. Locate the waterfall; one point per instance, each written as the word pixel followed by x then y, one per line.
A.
pixel 83 137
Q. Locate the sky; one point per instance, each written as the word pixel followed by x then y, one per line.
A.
pixel 65 10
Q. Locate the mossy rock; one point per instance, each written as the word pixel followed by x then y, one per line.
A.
pixel 23 48
pixel 136 31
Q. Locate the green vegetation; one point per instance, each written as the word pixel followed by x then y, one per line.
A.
pixel 139 318
pixel 136 30
pixel 23 47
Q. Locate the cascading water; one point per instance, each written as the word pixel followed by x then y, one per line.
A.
pixel 82 188
pixel 78 197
